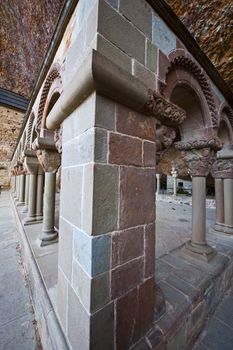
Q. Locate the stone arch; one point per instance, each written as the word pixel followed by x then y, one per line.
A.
pixel 24 140
pixel 53 96
pixel 184 68
pixel 225 128
pixel 29 128
pixel 54 77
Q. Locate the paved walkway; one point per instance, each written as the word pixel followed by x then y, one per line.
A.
pixel 218 333
pixel 17 330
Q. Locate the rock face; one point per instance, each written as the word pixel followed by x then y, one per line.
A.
pixel 210 22
pixel 26 31
pixel 10 126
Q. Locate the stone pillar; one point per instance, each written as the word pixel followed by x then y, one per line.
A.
pixel 228 205
pixel 174 175
pixel 21 190
pixel 31 164
pixel 27 180
pixel 158 176
pixel 39 195
pixel 50 161
pixel 219 200
pixel 17 188
pixel 200 156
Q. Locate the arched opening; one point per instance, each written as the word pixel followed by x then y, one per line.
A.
pixel 224 133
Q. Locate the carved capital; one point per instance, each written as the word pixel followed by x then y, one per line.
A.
pixel 31 163
pixel 222 168
pixel 165 137
pixel 49 160
pixel 199 154
pixel 168 112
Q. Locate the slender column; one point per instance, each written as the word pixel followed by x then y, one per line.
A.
pixel 17 188
pixel 228 205
pixel 219 200
pixel 174 175
pixel 32 200
pixel 21 190
pixel 27 179
pixel 49 235
pixel 158 176
pixel 39 197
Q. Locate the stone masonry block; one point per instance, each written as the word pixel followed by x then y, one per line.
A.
pixel 135 124
pixel 93 292
pixel 151 56
pixel 105 199
pixel 105 113
pixel 87 205
pixel 92 253
pixel 124 150
pixel 62 294
pixel 113 53
pixel 146 76
pixel 162 36
pixel 65 247
pixel 101 146
pixel 149 154
pixel 137 196
pixel 102 329
pixel 140 14
pixel 149 243
pixel 71 194
pixel 127 245
pixel 126 277
pixel 133 44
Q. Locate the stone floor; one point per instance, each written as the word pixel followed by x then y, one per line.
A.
pixel 17 330
pixel 173 225
pixel 218 333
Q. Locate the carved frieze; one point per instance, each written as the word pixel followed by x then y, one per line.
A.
pixel 49 160
pixel 158 105
pixel 199 154
pixel 222 168
pixel 165 137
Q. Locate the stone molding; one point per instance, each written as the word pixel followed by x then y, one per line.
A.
pixel 199 154
pixel 165 137
pixel 49 160
pixel 223 169
pixel 52 75
pixel 157 105
pixel 191 66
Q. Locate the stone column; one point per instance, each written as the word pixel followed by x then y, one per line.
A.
pixel 199 155
pixel 158 176
pixel 228 205
pixel 39 195
pixel 219 201
pixel 31 164
pixel 21 190
pixel 17 188
pixel 27 180
pixel 50 161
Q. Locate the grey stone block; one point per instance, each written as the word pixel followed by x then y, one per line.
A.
pixel 71 194
pixel 126 36
pixel 145 75
pixel 113 3
pixel 139 13
pixel 225 311
pixel 65 247
pixel 113 53
pixel 151 56
pixel 162 36
pixel 62 298
pixel 105 113
pixel 197 319
pixel 218 336
pixel 179 341
pixel 101 146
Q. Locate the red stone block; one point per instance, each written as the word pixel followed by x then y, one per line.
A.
pixel 127 245
pixel 149 154
pixel 125 150
pixel 126 277
pixel 137 196
pixel 149 250
pixel 135 124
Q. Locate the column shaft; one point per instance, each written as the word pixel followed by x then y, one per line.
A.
pixel 39 197
pixel 27 179
pixel 199 210
pixel 158 183
pixel 228 202
pixel 219 199
pixel 32 200
pixel 21 189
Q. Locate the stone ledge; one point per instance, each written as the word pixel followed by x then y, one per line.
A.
pixel 51 334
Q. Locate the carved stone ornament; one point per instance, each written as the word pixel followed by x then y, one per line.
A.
pixel 165 137
pixel 199 154
pixel 49 160
pixel 31 163
pixel 167 111
pixel 222 169
pixel 58 139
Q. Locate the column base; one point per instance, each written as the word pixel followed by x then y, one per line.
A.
pixel 223 228
pixel 48 238
pixel 30 221
pixel 19 204
pixel 39 218
pixel 25 209
pixel 199 251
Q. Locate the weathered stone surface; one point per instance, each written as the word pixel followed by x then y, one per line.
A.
pixel 179 341
pixel 105 113
pixel 124 150
pixel 149 154
pixel 145 75
pixel 126 43
pixel 66 252
pixel 140 14
pixel 137 196
pixel 101 146
pixel 151 56
pixel 162 36
pixel 135 124
pixel 126 277
pixel 149 241
pixel 62 294
pixel 127 245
